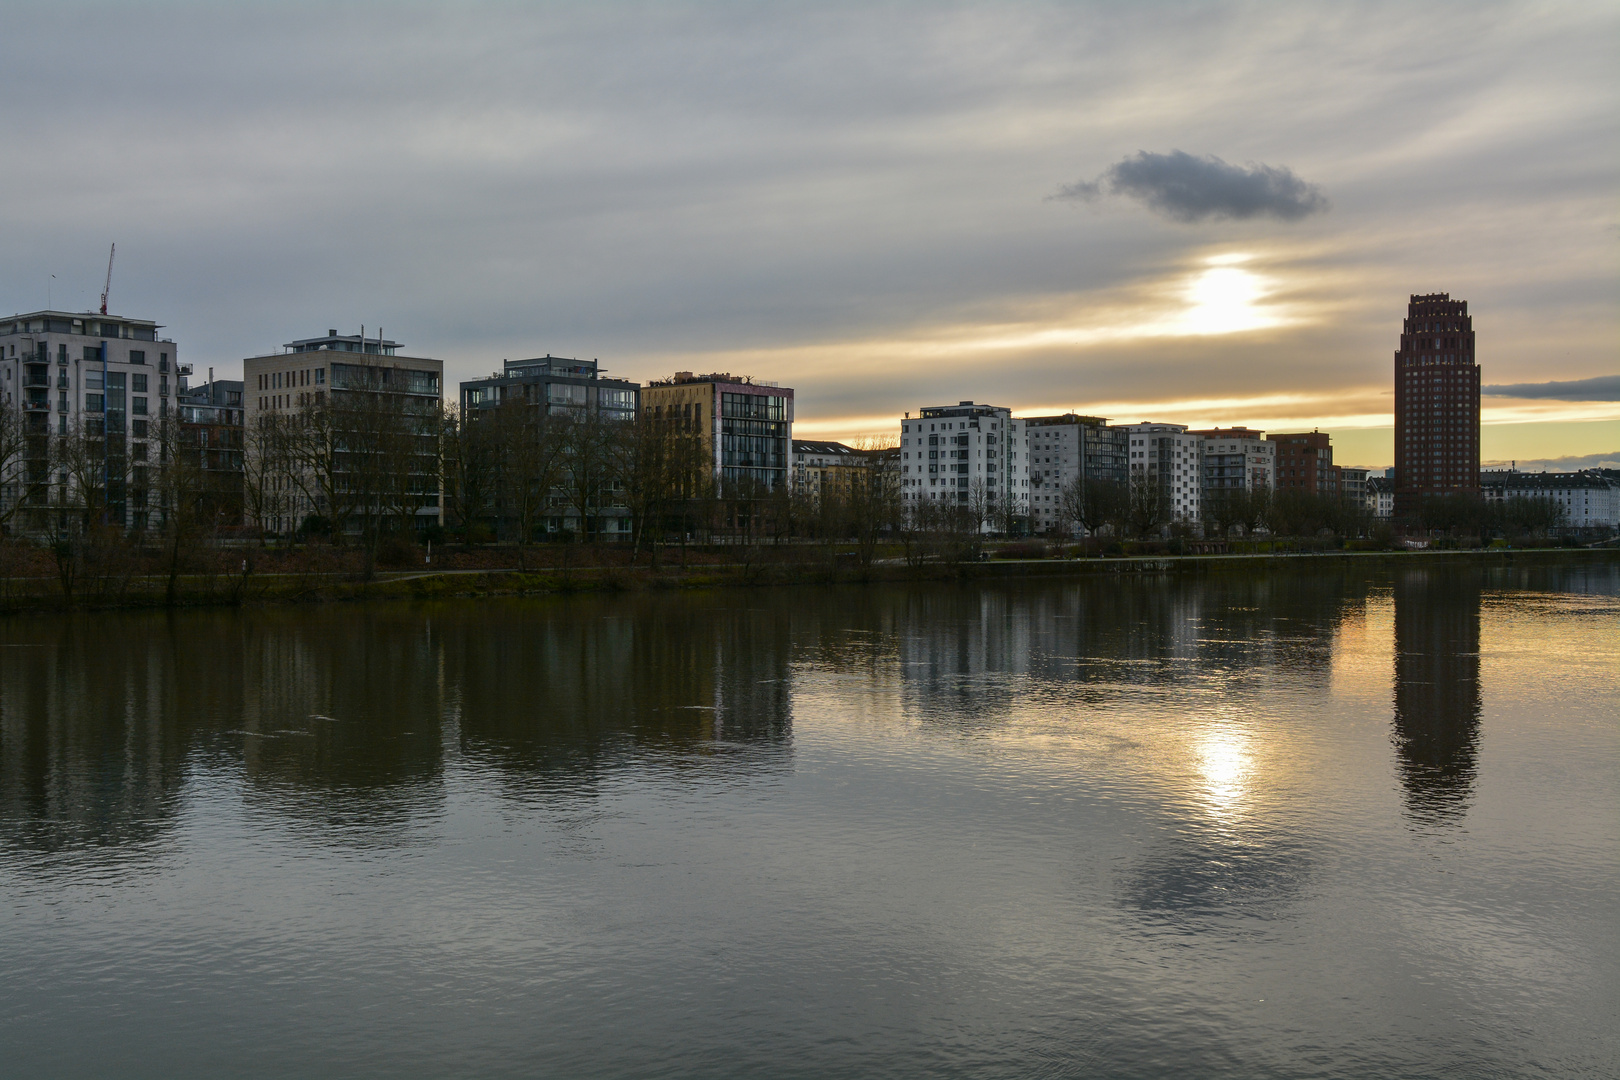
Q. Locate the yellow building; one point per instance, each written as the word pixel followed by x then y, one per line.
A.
pixel 746 426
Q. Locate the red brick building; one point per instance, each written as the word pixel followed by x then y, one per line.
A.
pixel 1436 403
pixel 1305 463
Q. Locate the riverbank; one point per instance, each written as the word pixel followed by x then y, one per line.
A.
pixel 766 568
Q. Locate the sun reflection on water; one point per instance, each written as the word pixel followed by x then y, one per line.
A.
pixel 1225 767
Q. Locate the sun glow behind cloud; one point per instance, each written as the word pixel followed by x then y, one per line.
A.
pixel 1214 297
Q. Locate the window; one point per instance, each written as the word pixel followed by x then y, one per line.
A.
pixel 94 403
pixel 136 356
pixel 138 381
pixel 139 406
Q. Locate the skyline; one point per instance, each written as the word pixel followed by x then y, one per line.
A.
pixel 882 209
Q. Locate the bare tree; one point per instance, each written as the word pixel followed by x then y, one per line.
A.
pixel 652 460
pixel 20 485
pixel 1094 504
pixel 267 462
pixel 1222 509
pixel 182 497
pixel 586 475
pixel 528 464
pixel 979 505
pixel 471 468
pixel 872 501
pixel 1148 504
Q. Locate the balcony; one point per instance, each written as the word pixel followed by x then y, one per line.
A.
pixel 36 406
pixel 36 379
pixel 182 369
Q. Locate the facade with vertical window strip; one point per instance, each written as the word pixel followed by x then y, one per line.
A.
pixel 1436 403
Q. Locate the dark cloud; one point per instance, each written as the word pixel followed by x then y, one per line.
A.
pixel 1191 189
pixel 1600 388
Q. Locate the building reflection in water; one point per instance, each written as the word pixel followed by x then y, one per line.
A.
pixel 343 721
pixel 1437 693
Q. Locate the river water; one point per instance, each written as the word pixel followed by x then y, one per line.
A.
pixel 1321 824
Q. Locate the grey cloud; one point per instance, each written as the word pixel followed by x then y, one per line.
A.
pixel 1191 189
pixel 1600 388
pixel 1570 463
pixel 650 184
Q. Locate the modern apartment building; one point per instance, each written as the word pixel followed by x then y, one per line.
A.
pixel 107 380
pixel 1305 463
pixel 350 374
pixel 967 454
pixel 1353 484
pixel 1172 457
pixel 562 389
pixel 1063 449
pixel 209 428
pixel 1238 459
pixel 746 426
pixel 562 386
pixel 1436 402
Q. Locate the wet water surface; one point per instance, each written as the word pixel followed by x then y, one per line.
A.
pixel 1292 825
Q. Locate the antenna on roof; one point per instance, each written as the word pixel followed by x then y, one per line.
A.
pixel 107 288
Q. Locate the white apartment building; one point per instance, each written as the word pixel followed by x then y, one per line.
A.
pixel 1589 500
pixel 98 375
pixel 1381 495
pixel 967 454
pixel 1238 459
pixel 1174 457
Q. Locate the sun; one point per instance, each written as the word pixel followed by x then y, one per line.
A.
pixel 1226 298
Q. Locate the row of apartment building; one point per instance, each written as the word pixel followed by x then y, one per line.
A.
pixel 114 376
pixel 950 452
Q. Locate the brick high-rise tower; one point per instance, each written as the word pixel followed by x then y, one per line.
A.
pixel 1436 403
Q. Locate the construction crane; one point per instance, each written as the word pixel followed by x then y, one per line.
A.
pixel 105 289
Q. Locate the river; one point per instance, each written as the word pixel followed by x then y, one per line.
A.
pixel 1332 824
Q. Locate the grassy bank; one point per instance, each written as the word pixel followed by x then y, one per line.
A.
pixel 763 568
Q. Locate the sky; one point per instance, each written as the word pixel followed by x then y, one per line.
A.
pixel 1194 213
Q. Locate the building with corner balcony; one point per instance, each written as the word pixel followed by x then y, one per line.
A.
pixel 208 430
pixel 1238 459
pixel 554 390
pixel 103 381
pixel 1171 457
pixel 1066 449
pixel 745 425
pixel 968 455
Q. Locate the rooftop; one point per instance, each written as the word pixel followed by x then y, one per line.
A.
pixel 813 446
pixel 713 377
pixel 336 342
pixel 80 323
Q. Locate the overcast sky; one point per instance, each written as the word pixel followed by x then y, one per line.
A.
pixel 1204 213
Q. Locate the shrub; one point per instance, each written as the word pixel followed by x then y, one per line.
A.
pixel 1026 549
pixel 397 551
